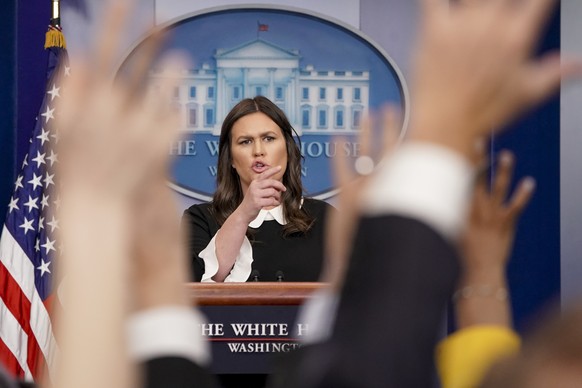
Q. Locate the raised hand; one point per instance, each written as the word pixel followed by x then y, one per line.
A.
pixel 123 126
pixel 474 69
pixel 341 225
pixel 263 192
pixel 486 246
pixel 113 146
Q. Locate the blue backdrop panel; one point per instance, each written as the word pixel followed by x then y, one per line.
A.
pixel 7 104
pixel 534 271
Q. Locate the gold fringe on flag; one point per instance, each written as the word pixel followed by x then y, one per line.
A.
pixel 54 38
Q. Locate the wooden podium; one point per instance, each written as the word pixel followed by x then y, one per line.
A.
pixel 250 323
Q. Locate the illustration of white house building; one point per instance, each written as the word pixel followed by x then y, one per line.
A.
pixel 315 101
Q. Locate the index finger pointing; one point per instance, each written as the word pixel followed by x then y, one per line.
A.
pixel 269 173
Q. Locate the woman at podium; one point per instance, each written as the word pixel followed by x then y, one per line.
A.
pixel 258 226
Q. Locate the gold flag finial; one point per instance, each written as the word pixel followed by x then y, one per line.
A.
pixel 54 36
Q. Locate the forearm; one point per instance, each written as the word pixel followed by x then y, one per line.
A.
pixel 482 298
pixel 95 265
pixel 229 240
pixel 339 232
pixel 463 145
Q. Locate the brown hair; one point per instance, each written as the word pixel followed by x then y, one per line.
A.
pixel 229 194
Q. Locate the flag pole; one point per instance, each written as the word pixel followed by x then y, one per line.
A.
pixel 54 35
pixel 56 14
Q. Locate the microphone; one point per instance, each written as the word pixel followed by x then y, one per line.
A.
pixel 255 275
pixel 280 276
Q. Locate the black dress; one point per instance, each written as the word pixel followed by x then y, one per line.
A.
pixel 299 257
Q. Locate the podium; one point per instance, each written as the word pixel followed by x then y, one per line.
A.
pixel 250 323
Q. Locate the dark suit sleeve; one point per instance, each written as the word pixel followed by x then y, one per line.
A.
pixel 401 275
pixel 176 372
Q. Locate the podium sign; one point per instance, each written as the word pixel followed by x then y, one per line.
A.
pixel 250 323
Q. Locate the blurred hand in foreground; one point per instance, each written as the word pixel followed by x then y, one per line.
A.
pixel 341 225
pixel 119 225
pixel 474 71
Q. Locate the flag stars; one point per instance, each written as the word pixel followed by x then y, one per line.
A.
pixel 44 136
pixel 35 181
pixel 31 203
pixel 54 92
pixel 44 201
pixel 13 205
pixel 52 158
pixel 18 183
pixel 44 267
pixel 56 137
pixel 25 161
pixel 40 223
pixel 49 246
pixel 53 223
pixel 67 71
pixel 27 225
pixel 57 202
pixel 37 245
pixel 48 180
pixel 39 159
pixel 49 114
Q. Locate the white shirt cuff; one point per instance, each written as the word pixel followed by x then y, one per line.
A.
pixel 242 265
pixel 423 181
pixel 168 331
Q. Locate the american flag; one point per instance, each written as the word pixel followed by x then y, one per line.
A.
pixel 28 247
pixel 262 27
